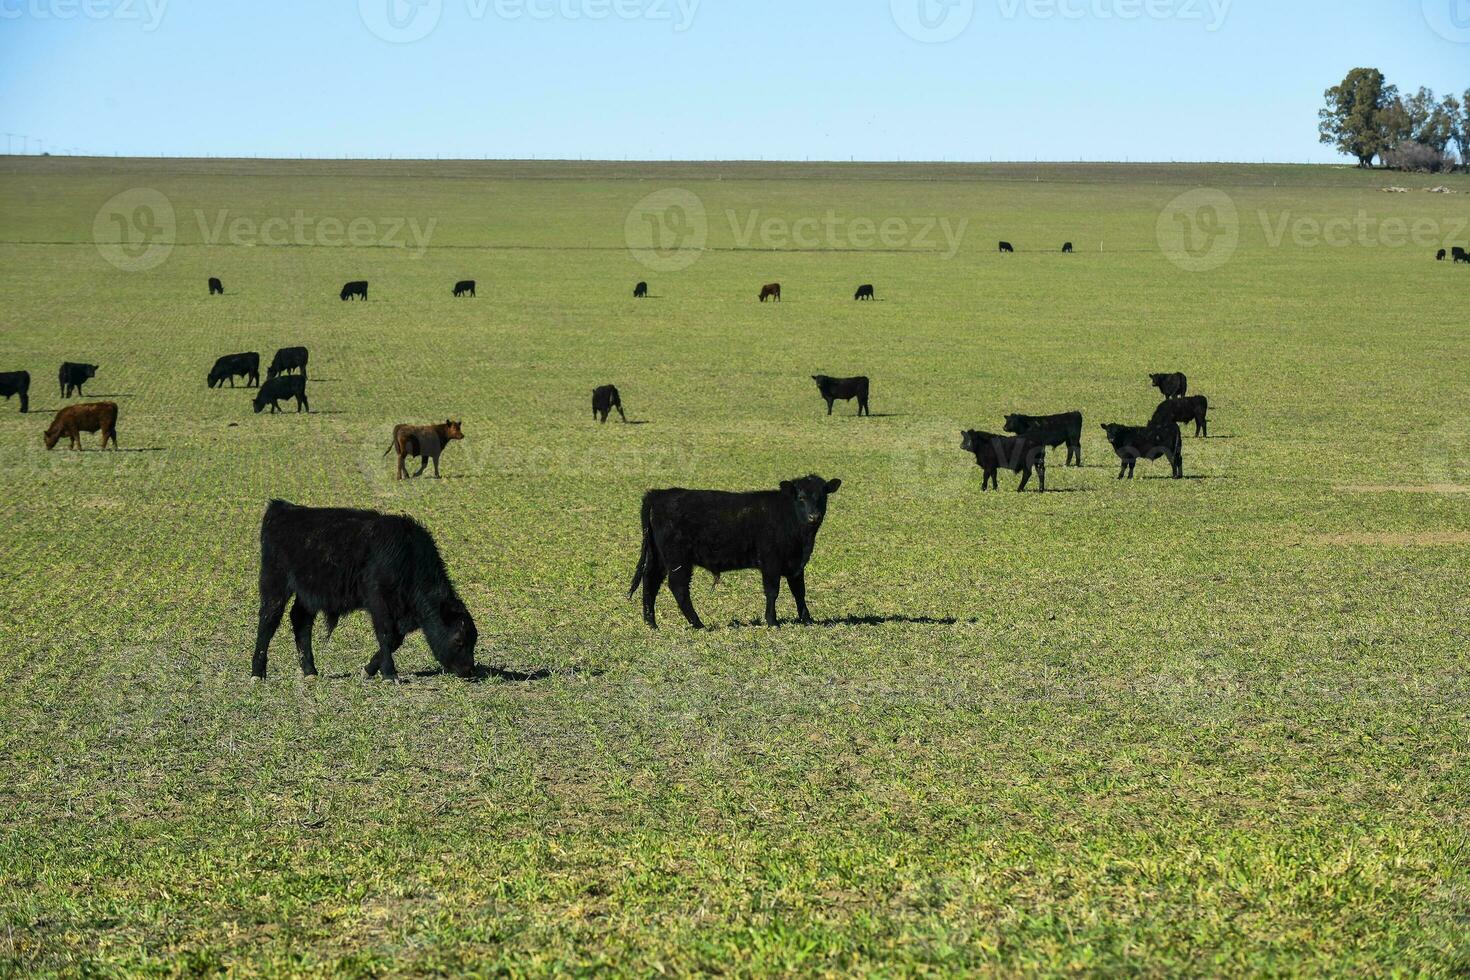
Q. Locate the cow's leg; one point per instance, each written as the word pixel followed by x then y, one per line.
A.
pixel 272 607
pixel 402 470
pixel 653 580
pixel 620 412
pixel 797 584
pixel 1041 476
pixel 302 404
pixel 1178 463
pixel 1025 477
pixel 423 465
pixel 679 579
pixel 436 466
pixel 863 406
pixel 829 406
pixel 389 640
pixel 771 581
pixel 301 623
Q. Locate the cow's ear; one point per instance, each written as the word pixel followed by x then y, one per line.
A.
pixel 832 486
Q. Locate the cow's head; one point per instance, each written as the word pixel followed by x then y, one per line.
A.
pixel 809 496
pixel 454 637
pixel 1157 380
pixel 453 430
pixel 968 440
pixel 822 380
pixel 53 433
pixel 1113 429
pixel 1013 424
pixel 260 401
pixel 89 370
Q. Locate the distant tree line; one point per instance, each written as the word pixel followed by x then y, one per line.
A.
pixel 1370 120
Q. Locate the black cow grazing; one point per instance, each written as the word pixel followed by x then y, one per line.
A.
pixel 865 291
pixel 1067 248
pixel 465 287
pixel 1459 254
pixel 357 289
pixel 604 400
pixel 216 288
pixel 1180 411
pixel 1439 256
pixel 17 383
pixel 73 375
pixel 771 290
pixel 640 291
pixel 1006 247
pixel 1132 443
pixel 336 561
pixel 1170 385
pixel 285 386
pixel 770 530
pixel 1019 454
pixel 1051 431
pixel 232 365
pixel 845 389
pixel 288 359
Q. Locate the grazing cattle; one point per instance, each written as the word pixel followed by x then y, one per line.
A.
pixel 640 291
pixel 864 291
pixel 1051 431
pixel 771 290
pixel 1132 443
pixel 1439 256
pixel 1459 254
pixel 357 289
pixel 845 389
pixel 1067 248
pixel 288 359
pixel 73 420
pixel 231 365
pixel 74 375
pixel 1179 411
pixel 285 386
pixel 17 383
pixel 604 400
pixel 1170 385
pixel 461 288
pixel 770 530
pixel 425 442
pixel 336 561
pixel 216 288
pixel 1006 247
pixel 1019 454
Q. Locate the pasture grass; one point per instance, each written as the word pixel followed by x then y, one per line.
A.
pixel 1212 726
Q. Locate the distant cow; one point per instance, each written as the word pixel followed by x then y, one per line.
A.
pixel 1067 248
pixel 73 420
pixel 770 530
pixel 232 365
pixel 604 400
pixel 425 442
pixel 864 291
pixel 771 290
pixel 216 288
pixel 1179 411
pixel 461 288
pixel 356 289
pixel 73 376
pixel 640 291
pixel 336 561
pixel 1132 443
pixel 285 386
pixel 288 359
pixel 1019 454
pixel 1170 385
pixel 17 383
pixel 1007 247
pixel 845 389
pixel 1439 256
pixel 1051 431
pixel 1459 254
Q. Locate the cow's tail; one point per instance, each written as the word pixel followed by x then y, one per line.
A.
pixel 647 554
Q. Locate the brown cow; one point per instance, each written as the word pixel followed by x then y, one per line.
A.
pixel 771 290
pixel 73 420
pixel 423 441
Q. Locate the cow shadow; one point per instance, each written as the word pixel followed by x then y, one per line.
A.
pixel 117 394
pixel 834 621
pixel 883 415
pixel 483 673
pixel 1189 476
pixel 637 422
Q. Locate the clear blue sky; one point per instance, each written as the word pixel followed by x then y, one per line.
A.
pixel 707 79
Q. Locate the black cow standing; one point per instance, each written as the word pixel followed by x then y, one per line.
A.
pixel 640 291
pixel 1439 256
pixel 1019 454
pixel 1006 247
pixel 1051 431
pixel 865 291
pixel 278 388
pixel 1459 254
pixel 230 366
pixel 1170 385
pixel 336 561
pixel 357 290
pixel 1132 443
pixel 288 359
pixel 844 389
pixel 604 400
pixel 17 383
pixel 73 375
pixel 462 288
pixel 770 530
pixel 1180 411
pixel 216 288
pixel 1067 248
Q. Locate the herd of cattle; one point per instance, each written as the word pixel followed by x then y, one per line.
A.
pixel 1458 253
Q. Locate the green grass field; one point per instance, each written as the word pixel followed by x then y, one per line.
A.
pixel 1210 726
